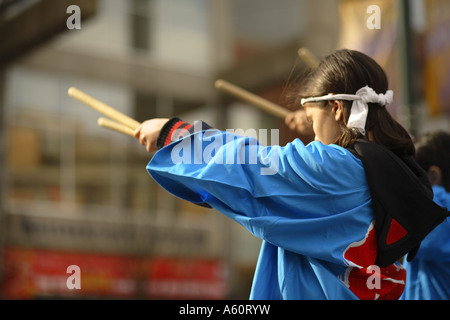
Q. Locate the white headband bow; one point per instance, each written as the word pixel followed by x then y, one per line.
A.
pixel 360 108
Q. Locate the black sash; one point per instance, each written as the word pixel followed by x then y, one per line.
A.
pixel 402 199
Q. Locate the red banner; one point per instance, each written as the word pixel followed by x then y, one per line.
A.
pixel 29 274
pixel 186 279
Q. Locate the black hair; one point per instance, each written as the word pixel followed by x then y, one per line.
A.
pixel 345 72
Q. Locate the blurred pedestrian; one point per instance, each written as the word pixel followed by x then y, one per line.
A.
pixel 428 275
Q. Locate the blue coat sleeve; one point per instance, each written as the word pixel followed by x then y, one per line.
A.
pixel 293 196
pixel 436 245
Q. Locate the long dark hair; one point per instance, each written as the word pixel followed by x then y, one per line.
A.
pixel 345 72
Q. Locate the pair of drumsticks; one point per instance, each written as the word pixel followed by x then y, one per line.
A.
pixel 118 121
pixel 122 123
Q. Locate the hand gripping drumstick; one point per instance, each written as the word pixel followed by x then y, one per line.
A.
pixel 251 98
pixel 104 109
pixel 113 125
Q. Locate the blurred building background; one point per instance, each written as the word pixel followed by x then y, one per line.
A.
pixel 73 193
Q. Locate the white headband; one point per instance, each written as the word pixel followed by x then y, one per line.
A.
pixel 360 108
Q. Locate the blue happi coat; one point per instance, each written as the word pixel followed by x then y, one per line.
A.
pixel 428 274
pixel 310 205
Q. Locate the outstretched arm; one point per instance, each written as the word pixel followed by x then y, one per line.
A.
pixel 148 132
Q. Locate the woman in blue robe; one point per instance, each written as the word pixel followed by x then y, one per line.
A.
pixel 311 205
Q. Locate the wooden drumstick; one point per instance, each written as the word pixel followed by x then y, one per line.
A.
pixel 103 108
pixel 308 57
pixel 113 125
pixel 253 99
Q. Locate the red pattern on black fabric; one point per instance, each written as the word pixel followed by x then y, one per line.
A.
pixel 366 280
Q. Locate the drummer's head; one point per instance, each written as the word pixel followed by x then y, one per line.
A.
pixel 345 72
